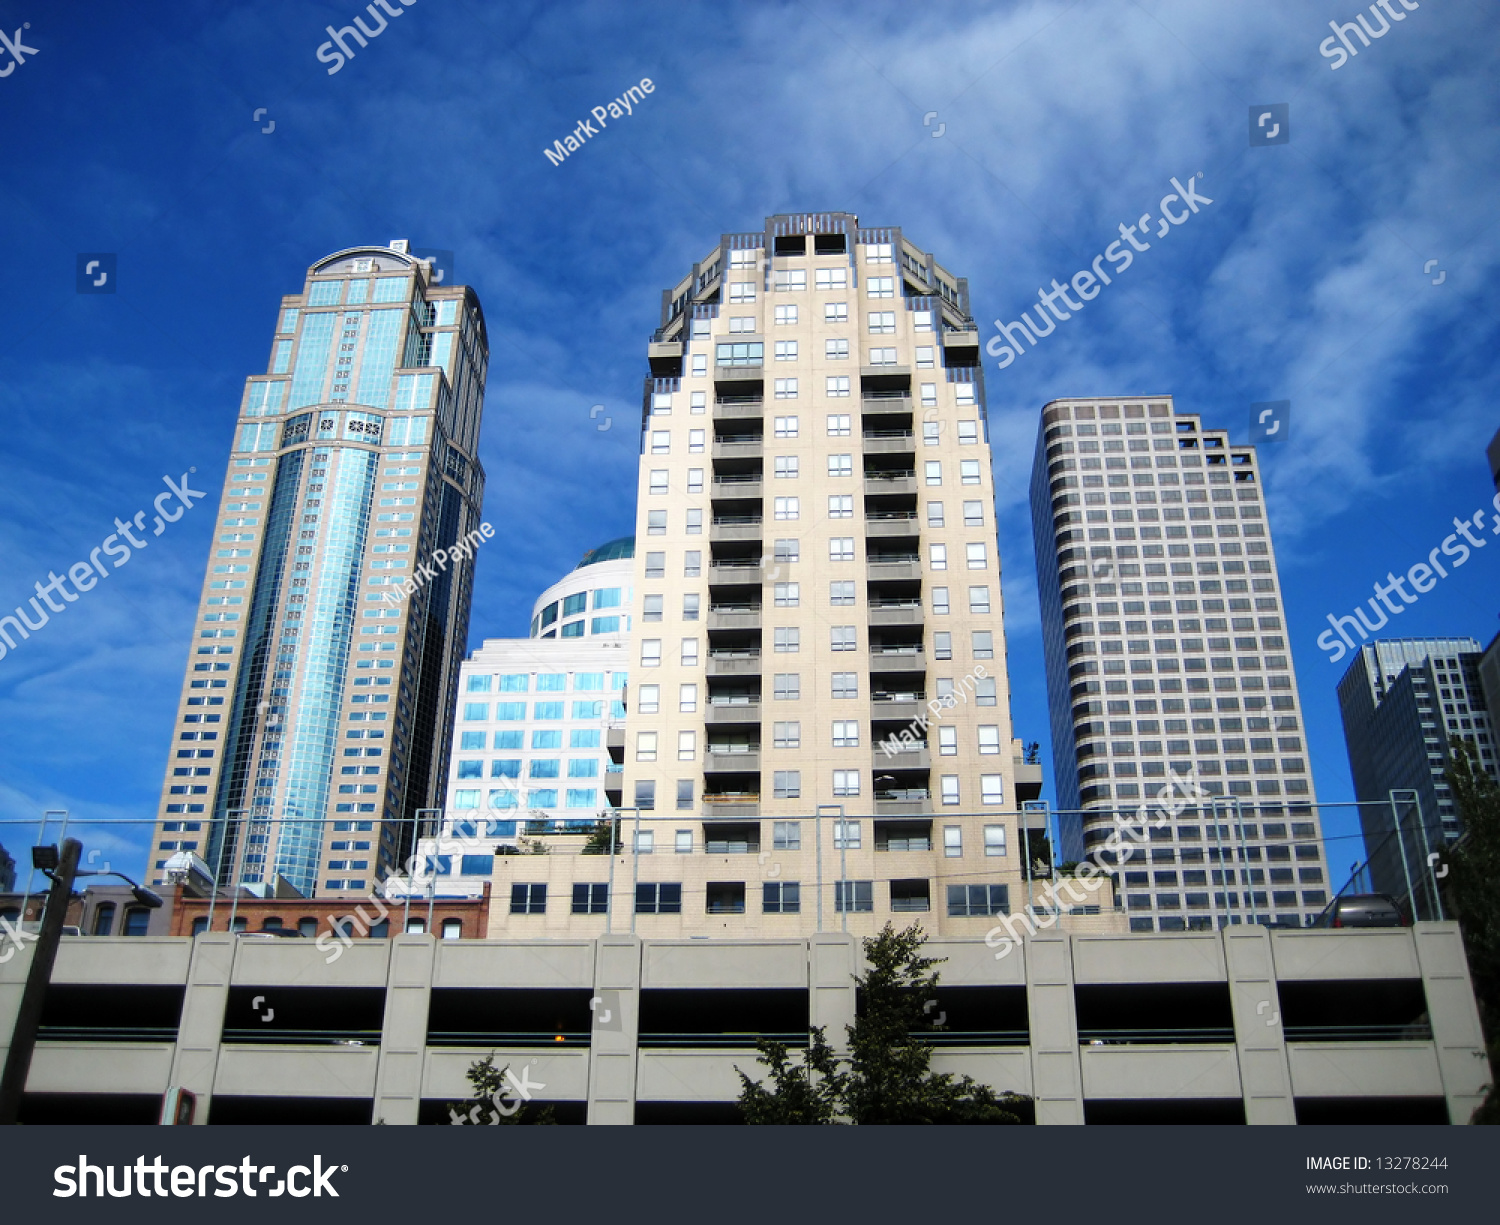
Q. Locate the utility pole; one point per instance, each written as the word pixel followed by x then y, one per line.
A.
pixel 23 1038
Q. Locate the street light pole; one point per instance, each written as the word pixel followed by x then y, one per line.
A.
pixel 28 1017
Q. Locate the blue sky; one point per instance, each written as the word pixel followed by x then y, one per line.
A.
pixel 130 131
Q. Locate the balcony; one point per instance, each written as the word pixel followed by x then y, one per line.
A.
pixel 885 372
pixel 889 442
pixel 886 402
pixel 903 705
pixel 732 804
pixel 910 759
pixel 740 485
pixel 899 566
pixel 880 484
pixel 734 663
pixel 726 528
pixel 963 344
pixel 734 408
pixel 736 571
pixel 748 447
pixel 1028 779
pixel 666 358
pixel 734 617
pixel 892 523
pixel 731 759
pixel 910 801
pixel 898 659
pixel 895 612
pixel 732 714
pixel 739 374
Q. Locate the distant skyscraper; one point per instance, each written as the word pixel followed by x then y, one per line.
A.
pixel 1401 699
pixel 314 709
pixel 7 871
pixel 1166 655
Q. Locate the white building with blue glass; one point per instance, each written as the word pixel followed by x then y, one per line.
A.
pixel 530 753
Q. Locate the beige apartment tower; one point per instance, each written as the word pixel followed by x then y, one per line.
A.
pixel 818 728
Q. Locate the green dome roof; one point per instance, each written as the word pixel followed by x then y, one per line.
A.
pixel 615 550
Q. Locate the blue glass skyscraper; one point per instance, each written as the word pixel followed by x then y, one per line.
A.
pixel 316 712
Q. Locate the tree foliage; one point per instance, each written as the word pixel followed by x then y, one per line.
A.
pixel 887 1076
pixel 1473 867
pixel 495 1100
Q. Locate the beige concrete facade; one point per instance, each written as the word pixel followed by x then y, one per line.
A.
pixel 614 1059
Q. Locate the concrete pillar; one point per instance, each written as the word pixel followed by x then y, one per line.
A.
pixel 1260 1042
pixel 1056 1066
pixel 616 1028
pixel 403 1036
pixel 1455 1017
pixel 832 962
pixel 196 1060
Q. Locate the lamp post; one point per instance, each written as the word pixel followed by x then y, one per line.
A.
pixel 62 869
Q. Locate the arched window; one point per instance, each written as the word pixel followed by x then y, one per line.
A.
pixel 344 926
pixel 200 924
pixel 308 927
pixel 453 929
pixel 381 930
pixel 415 927
pixel 104 919
pixel 137 921
pixel 272 924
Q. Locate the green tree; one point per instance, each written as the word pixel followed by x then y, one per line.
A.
pixel 888 1076
pixel 1473 867
pixel 600 840
pixel 495 1100
pixel 803 1091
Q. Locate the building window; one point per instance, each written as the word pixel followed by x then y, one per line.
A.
pixel 661 442
pixel 663 898
pixel 791 280
pixel 786 639
pixel 786 351
pixel 831 278
pixel 788 784
pixel 942 645
pixel 785 427
pixel 940 601
pixel 973 514
pixel 694 522
pixel 785 314
pixel 933 471
pixel 787 686
pixel 937 556
pixel 953 841
pixel 882 357
pixel 835 312
pixel 781 897
pixel 882 323
pixel 881 286
pixel 984 691
pixel 786 835
pixel 935 514
pixel 846 782
pixel 840 425
pixel 689 657
pixel 528 899
pixel 739 324
pixel 645 746
pixel 695 481
pixel 975 555
pixel 786 595
pixel 682 840
pixel 834 350
pixel 785 389
pixel 844 638
pixel 656 523
pixel 841 548
pixel 687 745
pixel 842 465
pixel 947 742
pixel 984 644
pixel 648 699
pixel 786 466
pixel 978 900
pixel 994 837
pixel 854 896
pixel 968 471
pixel 104 919
pixel 658 480
pixel 651 651
pixel 687 698
pixel 989 740
pixel 590 899
pixel 840 593
pixel 968 433
pixel 979 599
pixel 836 385
pixel 949 784
pixel 846 684
pixel 656 565
pixel 786 508
pixel 786 735
pixel 692 564
pixel 846 734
